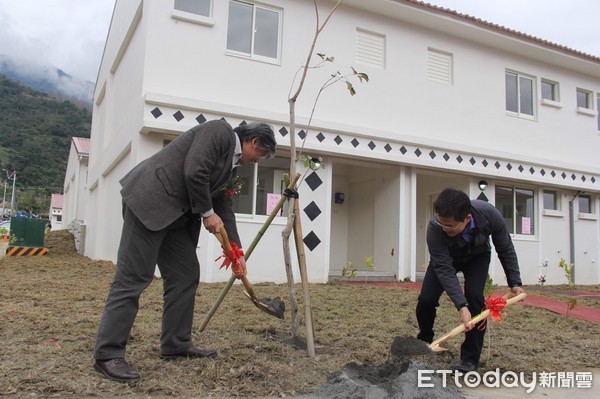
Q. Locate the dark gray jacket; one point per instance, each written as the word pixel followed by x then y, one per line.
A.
pixel 448 253
pixel 185 177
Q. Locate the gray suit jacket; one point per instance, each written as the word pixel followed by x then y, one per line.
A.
pixel 185 177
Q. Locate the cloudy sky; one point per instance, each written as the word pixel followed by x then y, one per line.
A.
pixel 572 23
pixel 70 34
pixel 67 34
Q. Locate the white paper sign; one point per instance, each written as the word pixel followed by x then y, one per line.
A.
pixel 272 200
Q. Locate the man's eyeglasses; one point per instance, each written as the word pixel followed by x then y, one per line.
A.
pixel 447 227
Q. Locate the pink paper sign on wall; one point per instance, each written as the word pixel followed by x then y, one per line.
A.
pixel 526 225
pixel 272 200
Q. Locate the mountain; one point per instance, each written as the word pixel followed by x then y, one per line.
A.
pixel 49 80
pixel 35 138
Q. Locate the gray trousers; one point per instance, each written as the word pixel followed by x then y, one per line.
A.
pixel 173 249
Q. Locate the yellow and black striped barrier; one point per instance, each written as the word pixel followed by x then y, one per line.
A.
pixel 26 251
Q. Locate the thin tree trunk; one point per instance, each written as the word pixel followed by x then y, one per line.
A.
pixel 285 234
pixel 294 210
pixel 310 345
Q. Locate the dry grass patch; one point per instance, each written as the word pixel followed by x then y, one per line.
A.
pixel 50 307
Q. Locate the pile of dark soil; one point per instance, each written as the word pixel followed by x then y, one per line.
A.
pixel 390 380
pixel 397 378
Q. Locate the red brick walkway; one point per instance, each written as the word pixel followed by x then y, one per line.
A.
pixel 579 312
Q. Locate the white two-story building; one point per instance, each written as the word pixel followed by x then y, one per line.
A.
pixel 451 101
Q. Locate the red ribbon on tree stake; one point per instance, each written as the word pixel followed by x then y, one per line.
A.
pixel 495 304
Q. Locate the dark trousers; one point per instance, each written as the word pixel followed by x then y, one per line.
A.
pixel 173 249
pixel 475 271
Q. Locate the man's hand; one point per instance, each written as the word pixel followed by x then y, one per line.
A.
pixel 213 223
pixel 239 271
pixel 514 291
pixel 465 317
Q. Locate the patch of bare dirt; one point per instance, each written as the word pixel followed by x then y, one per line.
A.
pixel 50 307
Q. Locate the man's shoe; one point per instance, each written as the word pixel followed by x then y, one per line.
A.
pixel 464 366
pixel 192 352
pixel 117 369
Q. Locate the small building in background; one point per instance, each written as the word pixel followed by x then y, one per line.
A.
pixel 55 213
pixel 75 186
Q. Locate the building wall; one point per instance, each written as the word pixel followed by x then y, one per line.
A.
pixel 70 187
pixel 75 188
pixel 415 135
pixel 185 58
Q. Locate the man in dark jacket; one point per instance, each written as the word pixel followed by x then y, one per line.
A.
pixel 458 241
pixel 166 198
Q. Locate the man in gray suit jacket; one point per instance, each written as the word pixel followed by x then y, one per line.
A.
pixel 165 199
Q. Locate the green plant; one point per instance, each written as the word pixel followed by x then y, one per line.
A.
pixel 350 270
pixel 490 287
pixel 568 270
pixel 309 161
pixel 542 276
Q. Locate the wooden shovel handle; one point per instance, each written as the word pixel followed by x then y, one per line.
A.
pixel 481 316
pixel 224 240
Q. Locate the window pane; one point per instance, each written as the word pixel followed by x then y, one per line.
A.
pixel 585 204
pixel 242 203
pixel 504 203
pixel 239 30
pixel 511 93
pixel 549 91
pixel 267 176
pixel 271 184
pixel 582 99
pixel 598 109
pixel 200 7
pixel 266 35
pixel 526 95
pixel 550 200
pixel 525 211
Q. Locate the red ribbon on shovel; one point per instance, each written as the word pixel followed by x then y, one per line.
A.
pixel 231 258
pixel 495 305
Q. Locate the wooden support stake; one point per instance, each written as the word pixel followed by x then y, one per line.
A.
pixel 310 344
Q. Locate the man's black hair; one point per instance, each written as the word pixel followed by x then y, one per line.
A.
pixel 452 203
pixel 262 132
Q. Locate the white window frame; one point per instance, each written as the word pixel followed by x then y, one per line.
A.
pixel 534 222
pixel 598 109
pixel 557 210
pixel 252 191
pixel 533 93
pixel 591 215
pixel 252 55
pixel 588 109
pixel 193 17
pixel 554 101
pixel 589 105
